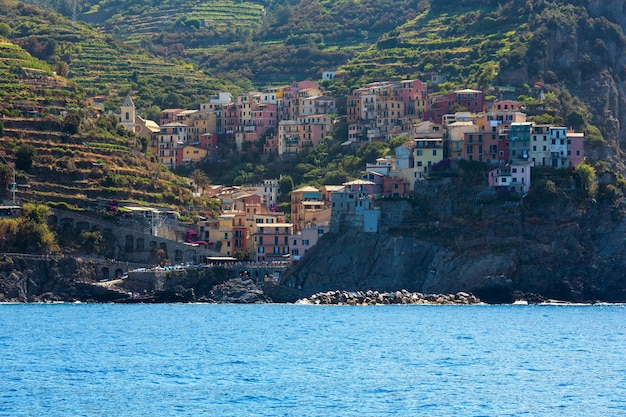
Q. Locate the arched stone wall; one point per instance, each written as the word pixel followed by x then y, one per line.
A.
pixel 82 226
pixel 66 223
pixel 104 273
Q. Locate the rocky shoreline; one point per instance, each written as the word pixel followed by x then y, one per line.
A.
pixel 370 297
pixel 72 280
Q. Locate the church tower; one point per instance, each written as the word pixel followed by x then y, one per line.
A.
pixel 127 114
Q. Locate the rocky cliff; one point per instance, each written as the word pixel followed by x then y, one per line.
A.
pixel 559 247
pixel 70 279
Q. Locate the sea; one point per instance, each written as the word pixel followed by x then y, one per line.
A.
pixel 306 360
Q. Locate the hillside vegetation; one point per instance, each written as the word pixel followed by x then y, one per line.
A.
pixel 64 152
pixel 103 66
pixel 571 49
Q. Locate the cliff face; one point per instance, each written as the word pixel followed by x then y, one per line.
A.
pixel 561 249
pixel 70 279
pixel 579 48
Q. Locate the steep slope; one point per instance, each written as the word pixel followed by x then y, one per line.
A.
pixel 265 41
pixel 28 85
pixel 575 49
pixel 77 158
pixel 103 66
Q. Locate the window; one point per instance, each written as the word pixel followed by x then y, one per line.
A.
pixel 305 242
pixel 434 152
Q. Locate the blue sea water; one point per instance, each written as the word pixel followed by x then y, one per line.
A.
pixel 292 360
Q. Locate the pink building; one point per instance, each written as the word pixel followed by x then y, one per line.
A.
pixel 514 177
pixel 482 146
pixel 315 128
pixel 409 92
pixel 575 150
pixel 471 100
pixel 395 187
pixel 305 239
pixel 271 241
pixel 264 116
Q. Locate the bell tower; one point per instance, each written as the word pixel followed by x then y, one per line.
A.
pixel 127 114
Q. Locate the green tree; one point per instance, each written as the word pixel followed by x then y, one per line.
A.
pixel 62 69
pixel 6 176
pixel 374 151
pixel 587 175
pixel 286 185
pixel 200 179
pixel 5 30
pixel 34 235
pixel 91 241
pixel 575 119
pixel 24 157
pixel 336 177
pixel 8 234
pixel 71 122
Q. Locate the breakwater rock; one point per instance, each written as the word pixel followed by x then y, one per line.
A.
pixel 383 298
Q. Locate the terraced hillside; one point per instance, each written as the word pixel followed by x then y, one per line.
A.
pixel 182 16
pixel 73 154
pixel 79 170
pixel 28 86
pixel 263 41
pixel 103 66
pixel 466 44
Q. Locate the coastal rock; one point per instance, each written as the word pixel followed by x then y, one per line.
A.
pixel 377 298
pixel 240 291
pixel 553 249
